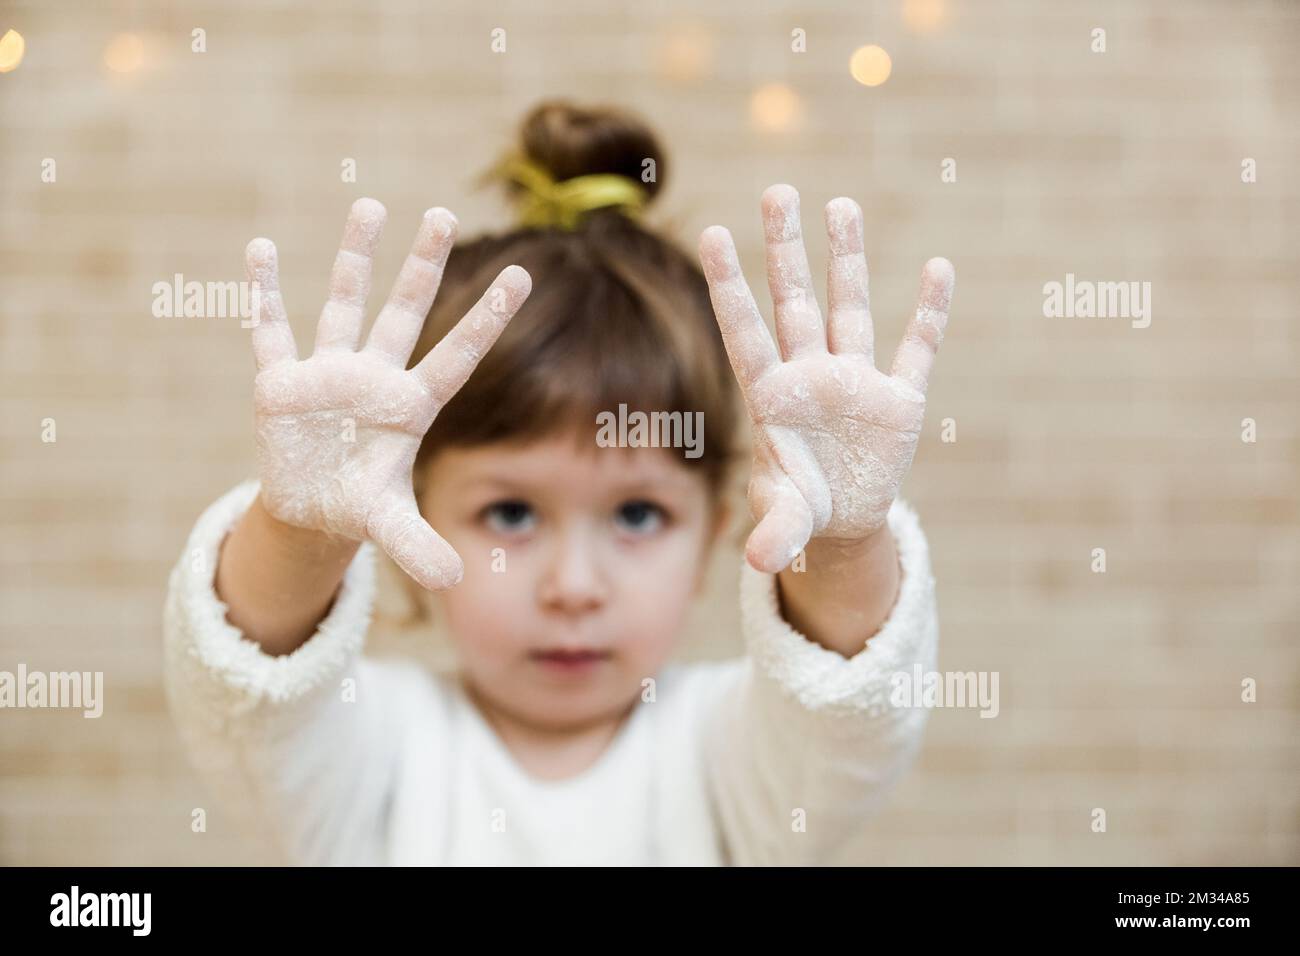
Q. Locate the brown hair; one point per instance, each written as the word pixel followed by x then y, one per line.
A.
pixel 617 314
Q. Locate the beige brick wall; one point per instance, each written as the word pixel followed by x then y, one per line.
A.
pixel 1119 690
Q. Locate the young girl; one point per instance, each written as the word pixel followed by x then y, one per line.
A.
pixel 565 737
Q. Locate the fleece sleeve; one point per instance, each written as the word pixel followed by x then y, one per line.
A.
pixel 302 749
pixel 804 744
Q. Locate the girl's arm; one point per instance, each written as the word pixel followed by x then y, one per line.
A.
pixel 803 746
pixel 296 759
pixel 337 432
pixel 267 608
pixel 837 597
pixel 279 581
pixel 847 591
pixel 833 436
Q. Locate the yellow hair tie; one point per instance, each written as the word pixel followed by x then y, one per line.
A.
pixel 546 202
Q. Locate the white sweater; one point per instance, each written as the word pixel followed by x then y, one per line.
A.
pixel 777 757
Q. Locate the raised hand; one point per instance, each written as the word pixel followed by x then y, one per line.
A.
pixel 833 436
pixel 337 433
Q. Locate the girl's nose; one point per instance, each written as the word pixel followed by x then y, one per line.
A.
pixel 573 581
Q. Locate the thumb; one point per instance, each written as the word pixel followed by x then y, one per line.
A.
pixel 784 530
pixel 396 526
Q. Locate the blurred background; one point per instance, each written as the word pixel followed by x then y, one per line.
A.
pixel 1007 135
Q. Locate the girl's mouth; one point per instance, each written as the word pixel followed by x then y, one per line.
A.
pixel 569 661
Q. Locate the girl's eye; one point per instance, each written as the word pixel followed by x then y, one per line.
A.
pixel 510 517
pixel 640 517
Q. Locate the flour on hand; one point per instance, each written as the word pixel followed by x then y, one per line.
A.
pixel 337 432
pixel 833 436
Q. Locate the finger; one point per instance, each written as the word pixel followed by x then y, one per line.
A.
pixel 272 338
pixel 848 327
pixel 781 534
pixel 399 324
pixel 449 363
pixel 339 328
pixel 799 328
pixel 396 526
pixel 916 352
pixel 791 493
pixel 749 346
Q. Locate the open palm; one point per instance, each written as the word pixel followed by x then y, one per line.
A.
pixel 833 436
pixel 337 433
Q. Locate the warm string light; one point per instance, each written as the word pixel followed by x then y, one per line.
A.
pixel 870 65
pixel 924 16
pixel 686 54
pixel 12 47
pixel 124 53
pixel 774 107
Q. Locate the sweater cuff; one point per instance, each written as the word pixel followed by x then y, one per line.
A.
pixel 238 663
pixel 826 682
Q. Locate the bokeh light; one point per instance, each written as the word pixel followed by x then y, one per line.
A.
pixel 124 53
pixel 870 65
pixel 924 16
pixel 774 108
pixel 686 53
pixel 12 46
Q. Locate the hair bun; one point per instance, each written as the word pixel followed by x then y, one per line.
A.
pixel 569 141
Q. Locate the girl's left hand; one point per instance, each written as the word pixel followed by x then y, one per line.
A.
pixel 833 436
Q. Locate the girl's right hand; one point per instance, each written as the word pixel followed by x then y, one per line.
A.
pixel 337 433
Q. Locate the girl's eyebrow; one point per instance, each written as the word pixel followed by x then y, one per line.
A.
pixel 648 485
pixel 480 481
pixel 652 486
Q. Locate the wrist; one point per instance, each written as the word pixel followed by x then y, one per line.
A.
pixel 827 552
pixel 846 591
pixel 279 581
pixel 297 542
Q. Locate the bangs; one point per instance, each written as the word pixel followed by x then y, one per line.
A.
pixel 596 333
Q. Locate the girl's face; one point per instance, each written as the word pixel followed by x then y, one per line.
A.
pixel 580 566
